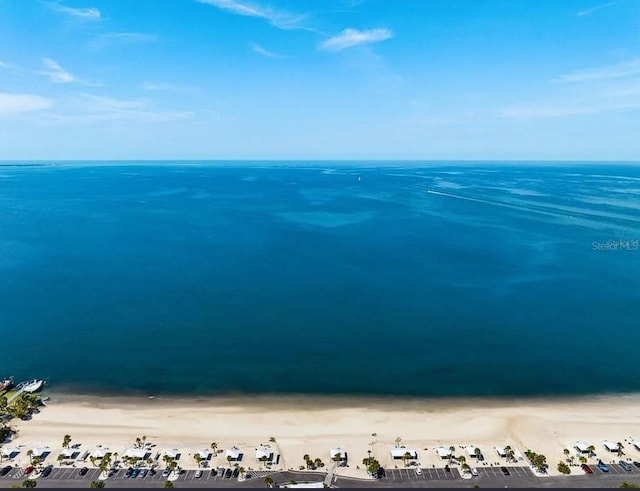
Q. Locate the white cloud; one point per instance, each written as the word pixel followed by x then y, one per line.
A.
pixel 560 110
pixel 166 86
pixel 264 52
pixel 279 19
pixel 353 37
pixel 618 70
pixel 598 7
pixel 56 73
pixel 80 13
pixel 21 103
pixel 4 65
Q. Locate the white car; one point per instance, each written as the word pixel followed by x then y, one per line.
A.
pixel 198 474
pixel 418 471
pixel 474 472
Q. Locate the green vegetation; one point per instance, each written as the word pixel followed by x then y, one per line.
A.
pixel 96 484
pixel 268 481
pixel 538 461
pixel 168 484
pixel 372 465
pixel 29 483
pixel 66 441
pixel 628 485
pixel 564 468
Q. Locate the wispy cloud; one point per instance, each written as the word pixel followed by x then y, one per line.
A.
pixel 89 108
pixel 561 110
pixel 89 13
pixel 4 65
pixel 166 86
pixel 277 18
pixel 618 70
pixel 129 37
pixel 22 103
pixel 56 73
pixel 353 37
pixel 591 10
pixel 264 52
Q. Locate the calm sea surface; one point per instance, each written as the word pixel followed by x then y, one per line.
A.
pixel 440 280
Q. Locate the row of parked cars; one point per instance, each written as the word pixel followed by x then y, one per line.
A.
pixel 605 468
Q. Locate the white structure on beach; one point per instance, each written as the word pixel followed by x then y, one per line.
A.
pixel 471 450
pixel 444 452
pixel 9 452
pixel 99 452
pixel 610 446
pixel 40 452
pixel 233 453
pixel 137 453
pixel 204 454
pixel 400 452
pixel 501 451
pixel 174 453
pixel 338 451
pixel 636 444
pixel 68 452
pixel 582 447
pixel 264 453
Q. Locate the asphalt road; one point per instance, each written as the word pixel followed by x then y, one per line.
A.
pixel 489 477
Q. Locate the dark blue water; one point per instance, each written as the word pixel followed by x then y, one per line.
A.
pixel 323 279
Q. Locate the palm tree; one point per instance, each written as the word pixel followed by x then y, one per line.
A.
pixel 592 450
pixel 318 462
pixel 405 456
pixel 214 447
pixel 337 457
pixel 566 452
pixel 398 440
pixel 29 483
pixel 268 481
pixel 96 484
pixel 93 460
pixel 462 459
pixel 229 459
pixel 511 456
pixel 620 447
pixel 272 439
pixel 465 467
pixel 30 455
pixel 198 458
pixel 583 459
pixel 60 458
pixel 241 471
pixel 307 460
pixel 168 484
pixel 478 453
pixel 263 459
pixel 66 441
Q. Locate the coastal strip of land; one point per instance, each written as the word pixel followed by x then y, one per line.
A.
pixel 297 426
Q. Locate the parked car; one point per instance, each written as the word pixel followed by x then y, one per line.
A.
pixel 198 474
pixel 135 473
pixel 418 471
pixel 602 466
pixel 625 465
pixel 152 472
pixel 214 472
pixel 46 471
pixel 381 472
pixel 447 469
pixel 5 470
pixel 586 468
pixel 28 470
pixel 227 473
pixel 166 472
pixel 143 472
pixel 636 463
pixel 129 472
pixel 474 472
pixel 83 471
pixel 236 472
pixel 505 471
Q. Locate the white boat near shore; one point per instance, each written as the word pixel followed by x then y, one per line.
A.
pixel 33 386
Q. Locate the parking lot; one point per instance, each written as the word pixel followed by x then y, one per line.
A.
pixel 615 469
pixel 427 474
pixel 514 471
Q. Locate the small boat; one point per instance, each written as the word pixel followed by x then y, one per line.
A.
pixel 6 384
pixel 33 386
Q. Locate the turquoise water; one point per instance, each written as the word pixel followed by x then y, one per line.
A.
pixel 326 279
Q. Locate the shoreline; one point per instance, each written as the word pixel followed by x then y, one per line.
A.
pixel 312 425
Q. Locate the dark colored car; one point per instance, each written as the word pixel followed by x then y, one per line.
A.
pixel 505 471
pixel 28 470
pixel 236 472
pixel 135 473
pixel 83 471
pixel 381 473
pixel 214 472
pixel 228 473
pixel 129 472
pixel 152 472
pixel 625 465
pixel 5 470
pixel 447 469
pixel 46 471
pixel 586 468
pixel 636 463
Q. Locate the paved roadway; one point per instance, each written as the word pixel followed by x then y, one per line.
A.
pixel 489 477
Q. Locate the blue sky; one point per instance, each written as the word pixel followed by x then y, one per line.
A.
pixel 320 79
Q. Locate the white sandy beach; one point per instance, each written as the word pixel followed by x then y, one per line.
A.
pixel 314 425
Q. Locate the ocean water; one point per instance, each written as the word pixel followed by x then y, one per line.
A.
pixel 328 278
